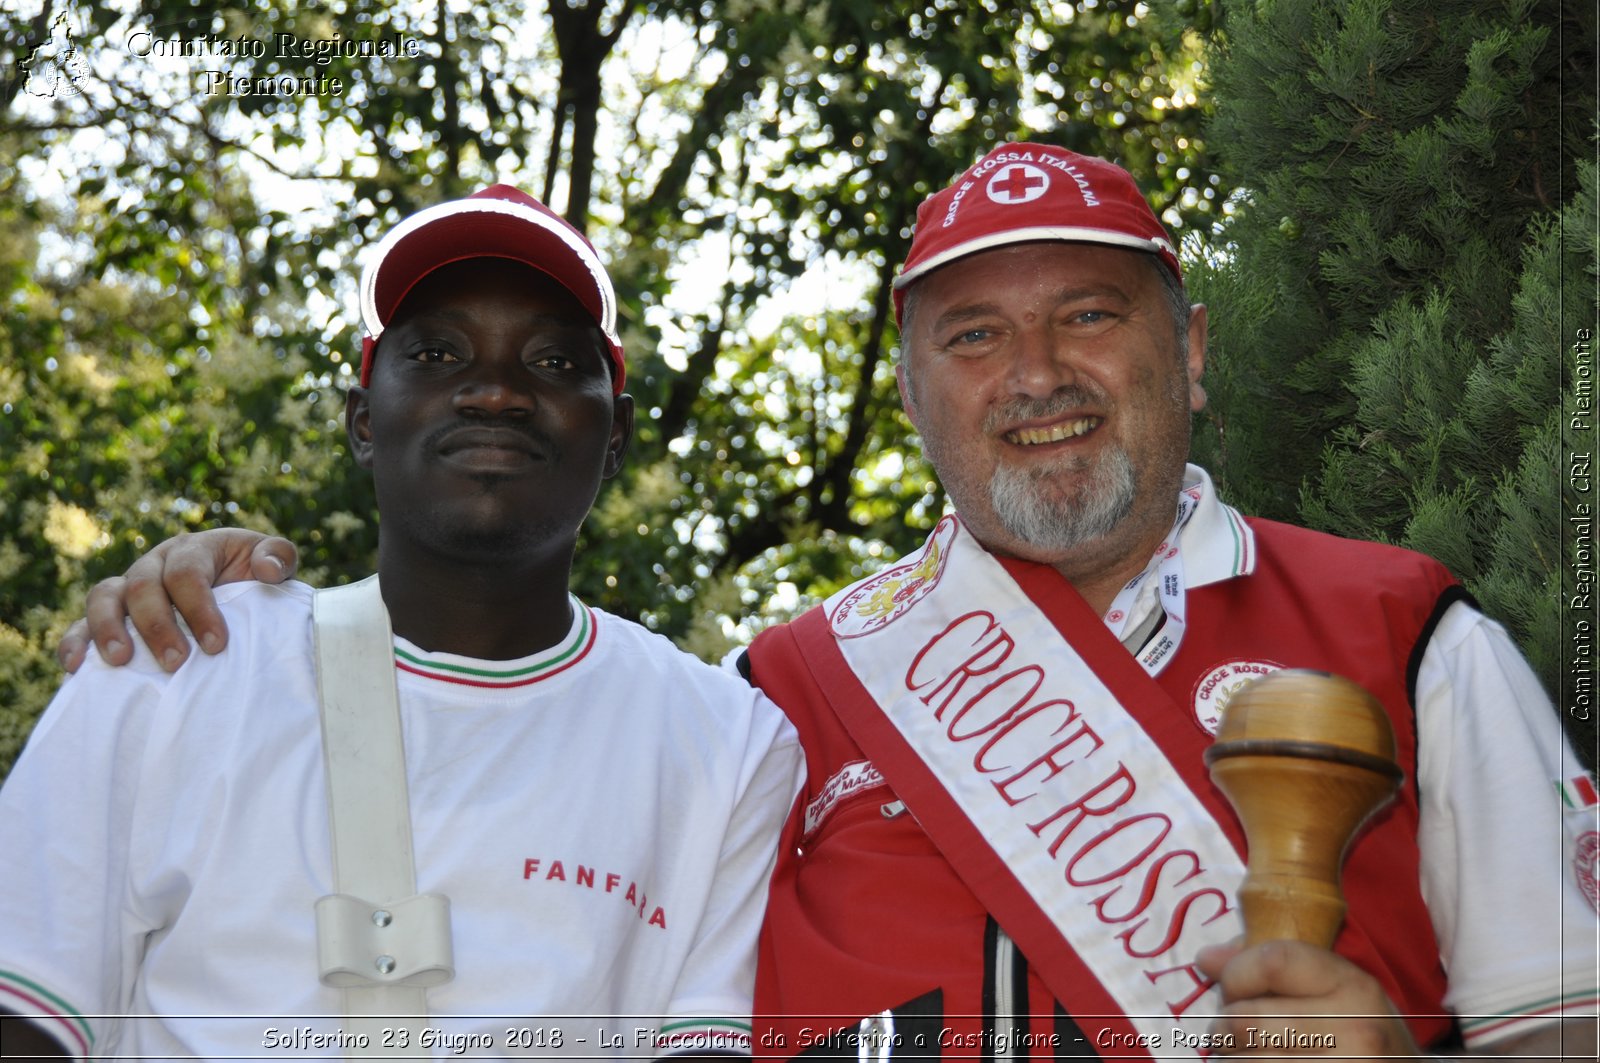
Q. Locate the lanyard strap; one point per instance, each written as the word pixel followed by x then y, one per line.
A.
pixel 1166 564
pixel 377 939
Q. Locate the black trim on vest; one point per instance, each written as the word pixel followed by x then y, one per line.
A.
pixel 1071 1042
pixel 1448 597
pixel 1021 1028
pixel 917 1026
pixel 1453 1042
pixel 990 1001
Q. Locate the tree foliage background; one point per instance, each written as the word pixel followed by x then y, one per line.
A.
pixel 177 267
pixel 1405 290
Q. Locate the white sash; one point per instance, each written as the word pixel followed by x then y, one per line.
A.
pixel 378 940
pixel 997 718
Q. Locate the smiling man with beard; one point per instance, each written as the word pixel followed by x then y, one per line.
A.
pixel 1007 844
pixel 593 812
pixel 1070 454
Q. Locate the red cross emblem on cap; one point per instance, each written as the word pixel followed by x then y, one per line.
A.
pixel 1018 183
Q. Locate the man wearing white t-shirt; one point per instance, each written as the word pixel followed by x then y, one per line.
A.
pixel 599 809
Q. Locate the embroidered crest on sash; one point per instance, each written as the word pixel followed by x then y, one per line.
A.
pixel 1217 687
pixel 880 601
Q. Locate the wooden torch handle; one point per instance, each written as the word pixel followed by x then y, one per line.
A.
pixel 1305 758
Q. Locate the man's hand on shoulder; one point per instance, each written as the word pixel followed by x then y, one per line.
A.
pixel 1288 998
pixel 175 578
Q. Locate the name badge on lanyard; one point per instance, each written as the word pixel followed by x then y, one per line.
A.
pixel 1166 566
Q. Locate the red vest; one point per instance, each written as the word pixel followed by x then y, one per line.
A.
pixel 866 915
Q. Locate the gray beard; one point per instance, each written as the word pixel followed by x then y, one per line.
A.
pixel 1026 509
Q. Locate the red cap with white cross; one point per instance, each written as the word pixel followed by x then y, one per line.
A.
pixel 1019 193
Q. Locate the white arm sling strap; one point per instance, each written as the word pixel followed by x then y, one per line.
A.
pixel 377 939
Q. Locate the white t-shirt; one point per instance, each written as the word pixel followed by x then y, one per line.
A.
pixel 602 815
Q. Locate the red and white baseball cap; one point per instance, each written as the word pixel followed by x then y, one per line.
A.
pixel 1020 193
pixel 498 222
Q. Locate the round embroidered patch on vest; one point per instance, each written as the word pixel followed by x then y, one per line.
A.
pixel 884 598
pixel 1214 690
pixel 1586 865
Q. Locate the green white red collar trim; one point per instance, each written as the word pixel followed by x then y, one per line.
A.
pixel 500 675
pixel 25 996
pixel 1217 544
